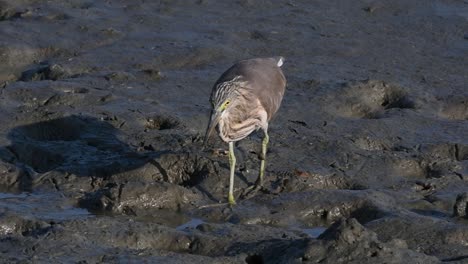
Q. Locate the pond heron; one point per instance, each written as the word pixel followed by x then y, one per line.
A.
pixel 244 99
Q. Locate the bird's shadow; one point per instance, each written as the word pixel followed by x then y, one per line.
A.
pixel 79 145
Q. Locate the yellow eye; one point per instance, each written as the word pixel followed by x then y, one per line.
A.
pixel 224 105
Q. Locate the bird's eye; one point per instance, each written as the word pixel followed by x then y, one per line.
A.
pixel 224 105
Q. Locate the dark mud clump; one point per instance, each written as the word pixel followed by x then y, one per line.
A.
pixel 104 105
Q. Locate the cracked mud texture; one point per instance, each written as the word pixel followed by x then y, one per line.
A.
pixel 104 105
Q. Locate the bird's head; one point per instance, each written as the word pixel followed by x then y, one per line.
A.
pixel 221 104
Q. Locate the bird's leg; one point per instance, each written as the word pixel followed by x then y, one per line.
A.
pixel 232 164
pixel 250 191
pixel 265 140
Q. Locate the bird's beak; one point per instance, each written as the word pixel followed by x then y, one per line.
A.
pixel 215 117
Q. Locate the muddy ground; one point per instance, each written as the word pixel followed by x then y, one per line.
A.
pixel 104 105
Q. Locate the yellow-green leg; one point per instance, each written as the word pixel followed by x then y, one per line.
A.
pixel 263 158
pixel 232 164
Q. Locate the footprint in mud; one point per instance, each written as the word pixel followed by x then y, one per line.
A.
pixel 44 71
pixel 15 57
pixel 184 169
pixel 370 99
pixel 415 168
pixel 160 122
pixel 433 161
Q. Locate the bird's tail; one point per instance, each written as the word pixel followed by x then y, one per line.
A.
pixel 280 60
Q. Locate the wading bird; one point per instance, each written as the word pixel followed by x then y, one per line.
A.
pixel 244 99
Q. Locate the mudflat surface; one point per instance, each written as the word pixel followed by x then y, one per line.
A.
pixel 103 106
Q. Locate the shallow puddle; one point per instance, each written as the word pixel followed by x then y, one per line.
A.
pixel 314 232
pixel 47 206
pixel 193 223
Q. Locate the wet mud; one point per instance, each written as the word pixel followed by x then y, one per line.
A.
pixel 104 105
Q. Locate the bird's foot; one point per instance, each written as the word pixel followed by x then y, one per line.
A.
pixel 231 200
pixel 252 190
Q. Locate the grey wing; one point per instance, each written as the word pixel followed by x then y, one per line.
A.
pixel 269 86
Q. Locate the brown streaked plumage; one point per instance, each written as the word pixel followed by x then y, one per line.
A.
pixel 244 99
